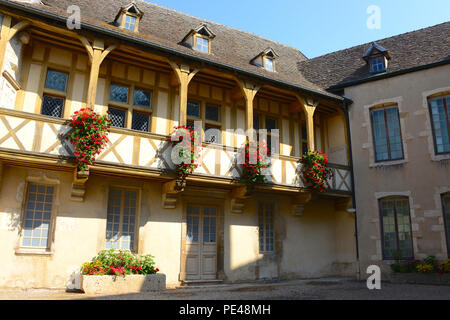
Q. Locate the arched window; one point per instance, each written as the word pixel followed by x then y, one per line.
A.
pixel 396 228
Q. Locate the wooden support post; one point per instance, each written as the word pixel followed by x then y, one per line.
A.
pixel 184 76
pixel 7 33
pixel 249 91
pixel 309 106
pixel 97 53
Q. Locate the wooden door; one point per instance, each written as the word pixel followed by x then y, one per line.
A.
pixel 201 243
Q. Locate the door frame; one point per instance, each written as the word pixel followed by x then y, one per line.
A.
pixel 218 204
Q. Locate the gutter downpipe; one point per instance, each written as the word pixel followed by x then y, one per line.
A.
pixel 345 106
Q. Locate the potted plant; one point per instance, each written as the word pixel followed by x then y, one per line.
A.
pixel 315 171
pixel 89 136
pixel 121 272
pixel 189 152
pixel 256 160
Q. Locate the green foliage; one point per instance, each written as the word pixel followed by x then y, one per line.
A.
pixel 427 265
pixel 119 263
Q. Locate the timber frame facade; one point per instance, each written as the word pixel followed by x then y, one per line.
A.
pixel 215 229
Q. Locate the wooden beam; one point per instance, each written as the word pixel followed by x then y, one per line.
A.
pixel 7 33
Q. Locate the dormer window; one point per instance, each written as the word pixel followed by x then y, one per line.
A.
pixel 377 65
pixel 201 44
pixel 377 58
pixel 269 63
pixel 130 22
pixel 129 17
pixel 266 60
pixel 199 39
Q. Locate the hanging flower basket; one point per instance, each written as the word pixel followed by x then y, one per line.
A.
pixel 189 153
pixel 315 171
pixel 89 136
pixel 255 162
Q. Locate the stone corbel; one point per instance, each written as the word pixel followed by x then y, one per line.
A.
pixel 238 197
pixel 299 203
pixel 344 204
pixel 170 192
pixel 79 185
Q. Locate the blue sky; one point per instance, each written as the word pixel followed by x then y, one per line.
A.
pixel 317 27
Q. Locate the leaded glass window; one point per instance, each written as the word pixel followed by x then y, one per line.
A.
pixel 37 216
pixel 193 109
pixel 266 227
pixel 121 219
pixel 56 80
pixel 387 134
pixel 52 106
pixel 141 122
pixel 213 134
pixel 117 117
pixel 440 110
pixel 212 113
pixel 396 226
pixel 142 98
pixel 118 93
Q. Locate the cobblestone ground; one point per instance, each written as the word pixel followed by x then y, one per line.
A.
pixel 322 289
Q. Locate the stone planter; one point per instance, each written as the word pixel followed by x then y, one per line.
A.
pixel 112 285
pixel 418 278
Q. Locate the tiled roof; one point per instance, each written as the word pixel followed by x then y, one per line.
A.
pixel 407 51
pixel 167 27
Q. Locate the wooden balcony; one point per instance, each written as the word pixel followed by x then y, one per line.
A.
pixel 33 138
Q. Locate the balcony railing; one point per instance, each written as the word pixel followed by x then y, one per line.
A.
pixel 39 135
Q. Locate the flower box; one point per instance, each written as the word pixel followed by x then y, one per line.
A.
pixel 114 285
pixel 420 278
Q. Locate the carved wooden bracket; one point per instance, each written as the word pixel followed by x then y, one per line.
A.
pixel 170 192
pixel 79 185
pixel 299 202
pixel 238 197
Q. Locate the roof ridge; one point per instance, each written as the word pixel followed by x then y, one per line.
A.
pixel 219 24
pixel 379 40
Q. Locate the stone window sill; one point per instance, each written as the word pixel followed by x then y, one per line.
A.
pixel 34 252
pixel 440 157
pixel 388 163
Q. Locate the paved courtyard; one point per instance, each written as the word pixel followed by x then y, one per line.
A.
pixel 321 289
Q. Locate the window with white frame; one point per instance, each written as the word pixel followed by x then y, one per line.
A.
pixel 130 22
pixel 266 227
pixel 201 44
pixel 121 219
pixel 269 63
pixel 38 216
pixel 440 119
pixel 377 64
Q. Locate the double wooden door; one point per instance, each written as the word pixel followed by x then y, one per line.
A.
pixel 201 242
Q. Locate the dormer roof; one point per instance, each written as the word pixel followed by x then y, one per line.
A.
pixel 131 8
pixel 201 29
pixel 376 49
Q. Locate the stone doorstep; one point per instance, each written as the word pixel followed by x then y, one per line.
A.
pixel 416 278
pixel 108 285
